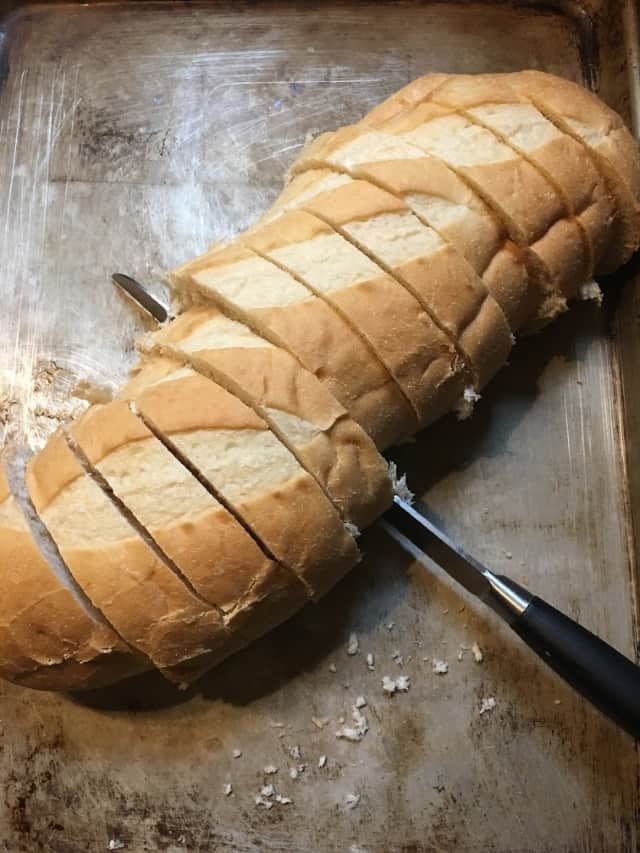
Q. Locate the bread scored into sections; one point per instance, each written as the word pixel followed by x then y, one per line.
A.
pixel 298 408
pixel 142 597
pixel 413 93
pixel 579 113
pixel 440 199
pixel 490 101
pixel 416 352
pixel 258 478
pixel 281 309
pixel 432 270
pixel 533 213
pixel 216 554
pixel 51 638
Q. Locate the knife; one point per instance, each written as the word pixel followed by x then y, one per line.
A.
pixel 602 675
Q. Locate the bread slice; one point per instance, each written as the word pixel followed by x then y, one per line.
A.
pixel 413 93
pixel 527 204
pixel 416 352
pixel 209 546
pixel 299 410
pixel 490 101
pixel 276 306
pixel 141 596
pixel 441 200
pixel 240 459
pixel 582 115
pixel 440 279
pixel 51 637
pixel 303 186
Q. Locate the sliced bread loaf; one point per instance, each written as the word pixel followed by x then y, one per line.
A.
pixel 259 294
pixel 51 637
pixel 139 593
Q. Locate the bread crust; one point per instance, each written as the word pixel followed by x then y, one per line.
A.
pixel 147 604
pixel 48 639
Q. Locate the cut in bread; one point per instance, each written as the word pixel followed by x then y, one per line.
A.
pixel 50 635
pixel 413 93
pixel 416 352
pixel 140 595
pixel 301 188
pixel 297 407
pixel 441 199
pixel 581 114
pixel 209 546
pixel 434 272
pixel 491 102
pixel 527 204
pixel 240 459
pixel 257 293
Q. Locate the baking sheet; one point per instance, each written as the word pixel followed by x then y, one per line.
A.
pixel 133 134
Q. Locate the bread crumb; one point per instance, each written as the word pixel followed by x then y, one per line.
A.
pixel 267 790
pixel 276 725
pixel 295 752
pixel 557 702
pixel 293 772
pixel 322 761
pixel 333 667
pixel 399 485
pixel 227 789
pixel 370 661
pixel 262 801
pixel 358 730
pixel 591 290
pixel 439 667
pixel 284 801
pixel 390 626
pixel 115 844
pixel 320 722
pixel 270 770
pixel 397 657
pixel 353 647
pixel 401 684
pixel 460 655
pixel 487 704
pixel 508 555
pixel 476 651
pixel 465 406
pixel 237 753
pixel 361 702
pixel 351 801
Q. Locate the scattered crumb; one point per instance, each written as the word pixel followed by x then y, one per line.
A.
pixel 508 555
pixel 333 667
pixel 370 661
pixel 439 667
pixel 390 626
pixel 276 725
pixel 293 772
pixel 399 484
pixel 351 800
pixel 237 753
pixel 361 702
pixel 557 702
pixel 262 801
pixel 359 728
pixel 445 611
pixel 578 381
pixel 115 844
pixel 267 790
pixel 284 801
pixel 353 646
pixel 401 684
pixel 295 752
pixel 591 290
pixel 460 655
pixel 352 529
pixel 322 761
pixel 397 657
pixel 476 651
pixel 270 770
pixel 320 722
pixel 227 789
pixel 461 608
pixel 487 704
pixel 181 839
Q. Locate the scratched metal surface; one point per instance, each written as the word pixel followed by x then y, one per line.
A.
pixel 131 135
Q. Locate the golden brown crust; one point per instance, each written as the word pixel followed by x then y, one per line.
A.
pixel 48 639
pixel 413 93
pixel 142 598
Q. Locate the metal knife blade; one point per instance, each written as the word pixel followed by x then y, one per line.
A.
pixel 503 595
pixel 141 296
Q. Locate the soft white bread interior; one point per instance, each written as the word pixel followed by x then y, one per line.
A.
pixel 296 406
pixel 50 635
pixel 139 594
pixel 226 486
pixel 256 476
pixel 257 293
pixel 210 547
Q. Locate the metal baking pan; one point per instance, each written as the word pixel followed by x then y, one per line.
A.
pixel 133 134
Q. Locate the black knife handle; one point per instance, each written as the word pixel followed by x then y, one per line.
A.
pixel 602 675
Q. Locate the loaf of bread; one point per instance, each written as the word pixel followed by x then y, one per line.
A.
pixel 228 482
